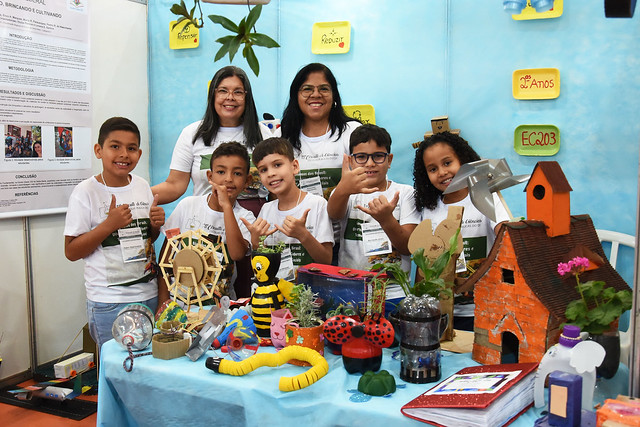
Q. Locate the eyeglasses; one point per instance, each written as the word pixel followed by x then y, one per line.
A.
pixel 236 94
pixel 362 158
pixel 308 90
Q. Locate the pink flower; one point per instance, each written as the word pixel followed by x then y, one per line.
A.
pixel 575 266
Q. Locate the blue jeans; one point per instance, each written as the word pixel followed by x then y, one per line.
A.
pixel 101 316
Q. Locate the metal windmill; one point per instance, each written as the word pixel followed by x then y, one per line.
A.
pixel 484 177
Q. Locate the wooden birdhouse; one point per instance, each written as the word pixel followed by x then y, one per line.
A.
pixel 520 299
pixel 548 198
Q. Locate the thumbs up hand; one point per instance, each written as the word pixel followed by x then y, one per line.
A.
pixel 156 213
pixel 118 217
pixel 294 227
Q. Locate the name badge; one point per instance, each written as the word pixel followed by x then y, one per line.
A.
pixel 312 185
pixel 132 244
pixel 374 239
pixel 286 270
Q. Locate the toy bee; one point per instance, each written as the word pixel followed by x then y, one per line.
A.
pixel 270 293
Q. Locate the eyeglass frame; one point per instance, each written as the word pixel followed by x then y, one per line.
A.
pixel 232 92
pixel 313 90
pixel 371 156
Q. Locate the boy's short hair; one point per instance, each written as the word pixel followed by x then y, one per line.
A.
pixel 117 123
pixel 368 132
pixel 232 148
pixel 272 146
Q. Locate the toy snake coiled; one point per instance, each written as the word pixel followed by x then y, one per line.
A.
pixel 319 366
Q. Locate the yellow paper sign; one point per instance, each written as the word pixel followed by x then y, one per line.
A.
pixel 183 38
pixel 530 13
pixel 536 83
pixel 331 37
pixel 365 113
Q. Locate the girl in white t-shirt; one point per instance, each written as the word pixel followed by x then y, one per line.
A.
pixel 437 161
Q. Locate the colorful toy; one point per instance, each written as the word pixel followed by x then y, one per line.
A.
pixel 377 383
pixel 362 342
pixel 319 366
pixel 242 343
pixel 239 319
pixel 279 319
pixel 270 293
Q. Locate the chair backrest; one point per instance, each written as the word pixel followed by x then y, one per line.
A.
pixel 616 240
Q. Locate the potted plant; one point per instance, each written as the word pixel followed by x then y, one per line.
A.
pixel 305 327
pixel 418 321
pixel 271 291
pixel 244 33
pixel 596 312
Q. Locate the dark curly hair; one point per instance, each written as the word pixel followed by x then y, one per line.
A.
pixel 426 194
pixel 292 117
pixel 232 148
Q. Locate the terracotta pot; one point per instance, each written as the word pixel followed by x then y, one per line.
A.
pixel 305 337
pixel 610 340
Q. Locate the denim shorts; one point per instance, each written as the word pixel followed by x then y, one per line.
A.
pixel 101 316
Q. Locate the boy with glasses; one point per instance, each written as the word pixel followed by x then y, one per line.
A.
pixel 377 215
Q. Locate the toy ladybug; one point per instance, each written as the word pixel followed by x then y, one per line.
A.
pixel 362 342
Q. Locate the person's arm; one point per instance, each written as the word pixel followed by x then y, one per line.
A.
pixel 77 247
pixel 296 228
pixel 173 187
pixel 381 210
pixel 351 182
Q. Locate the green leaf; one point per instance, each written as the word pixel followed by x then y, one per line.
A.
pixel 253 16
pixel 242 27
pixel 226 42
pixel 250 55
pixel 179 20
pixel 225 22
pixel 178 9
pixel 263 40
pixel 233 47
pixel 576 310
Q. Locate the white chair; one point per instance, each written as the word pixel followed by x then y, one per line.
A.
pixel 616 239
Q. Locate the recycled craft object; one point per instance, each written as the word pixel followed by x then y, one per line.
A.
pixel 377 383
pixel 270 293
pixel 319 366
pixel 191 267
pixel 484 177
pixel 362 342
pixel 133 330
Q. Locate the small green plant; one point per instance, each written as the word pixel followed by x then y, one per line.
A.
pixel 304 306
pixel 431 283
pixel 264 249
pixel 348 309
pixel 598 307
pixel 188 15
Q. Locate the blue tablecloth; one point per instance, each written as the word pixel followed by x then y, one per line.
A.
pixel 181 392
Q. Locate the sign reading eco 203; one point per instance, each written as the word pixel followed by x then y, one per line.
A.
pixel 536 140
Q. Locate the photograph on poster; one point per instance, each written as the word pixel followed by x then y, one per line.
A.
pixel 63 141
pixel 22 141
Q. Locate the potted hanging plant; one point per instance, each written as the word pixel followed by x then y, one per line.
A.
pixel 596 312
pixel 418 321
pixel 271 291
pixel 305 327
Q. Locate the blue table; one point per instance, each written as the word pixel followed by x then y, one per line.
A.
pixel 181 392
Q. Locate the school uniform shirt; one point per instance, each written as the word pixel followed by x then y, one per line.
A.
pixel 108 278
pixel 352 246
pixel 478 235
pixel 318 224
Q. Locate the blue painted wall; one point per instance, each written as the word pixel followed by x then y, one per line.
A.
pixel 413 60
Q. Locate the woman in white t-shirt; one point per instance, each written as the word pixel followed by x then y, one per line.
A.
pixel 230 116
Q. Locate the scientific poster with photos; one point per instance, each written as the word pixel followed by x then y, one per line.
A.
pixel 45 104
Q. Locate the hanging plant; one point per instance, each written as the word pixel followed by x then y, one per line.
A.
pixel 243 34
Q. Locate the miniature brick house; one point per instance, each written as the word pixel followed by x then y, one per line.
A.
pixel 520 297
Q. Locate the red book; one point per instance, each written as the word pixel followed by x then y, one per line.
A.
pixel 485 395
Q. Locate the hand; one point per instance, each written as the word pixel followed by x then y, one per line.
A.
pixel 118 217
pixel 294 227
pixel 221 195
pixel 380 208
pixel 259 228
pixel 354 181
pixel 156 213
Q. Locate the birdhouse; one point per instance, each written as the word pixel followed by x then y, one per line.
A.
pixel 548 198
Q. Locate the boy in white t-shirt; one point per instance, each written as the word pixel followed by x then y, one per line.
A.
pixel 299 219
pixel 378 215
pixel 112 221
pixel 218 213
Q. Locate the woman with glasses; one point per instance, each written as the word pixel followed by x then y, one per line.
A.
pixel 230 116
pixel 317 127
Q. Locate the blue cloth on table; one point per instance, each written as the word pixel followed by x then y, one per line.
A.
pixel 182 392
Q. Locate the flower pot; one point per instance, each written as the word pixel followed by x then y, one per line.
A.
pixel 610 340
pixel 279 320
pixel 305 337
pixel 420 325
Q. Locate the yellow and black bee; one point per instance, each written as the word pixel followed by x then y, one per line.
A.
pixel 271 291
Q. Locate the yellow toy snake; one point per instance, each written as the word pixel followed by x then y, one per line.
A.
pixel 319 366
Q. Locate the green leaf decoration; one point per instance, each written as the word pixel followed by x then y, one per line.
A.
pixel 179 9
pixel 233 47
pixel 250 55
pixel 253 16
pixel 225 22
pixel 263 40
pixel 226 42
